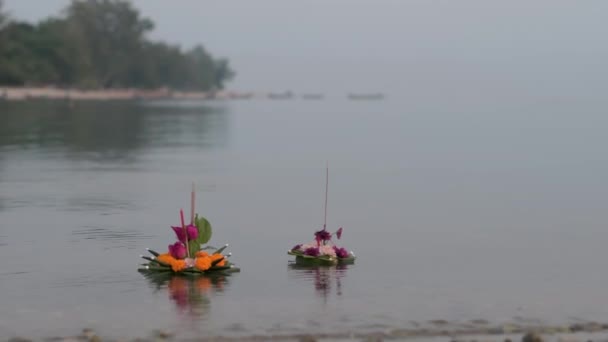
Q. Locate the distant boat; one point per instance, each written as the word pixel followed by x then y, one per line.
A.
pixel 241 96
pixel 280 96
pixel 376 96
pixel 313 96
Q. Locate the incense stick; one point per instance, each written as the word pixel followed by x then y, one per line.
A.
pixel 326 189
pixel 192 200
pixel 181 216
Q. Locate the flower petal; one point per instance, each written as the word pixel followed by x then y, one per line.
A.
pixel 180 233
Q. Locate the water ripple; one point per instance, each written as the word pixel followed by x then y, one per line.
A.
pixel 89 203
pixel 118 238
pixel 98 279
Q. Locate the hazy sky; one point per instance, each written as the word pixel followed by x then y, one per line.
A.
pixel 355 45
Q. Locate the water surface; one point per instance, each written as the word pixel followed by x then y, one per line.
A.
pixel 458 210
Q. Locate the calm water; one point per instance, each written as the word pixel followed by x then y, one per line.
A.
pixel 459 210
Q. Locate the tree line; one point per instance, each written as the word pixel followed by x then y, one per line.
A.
pixel 102 44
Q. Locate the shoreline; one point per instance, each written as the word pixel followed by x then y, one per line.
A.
pixel 472 332
pixel 73 94
pixel 70 94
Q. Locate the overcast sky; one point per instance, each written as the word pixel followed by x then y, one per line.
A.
pixel 352 45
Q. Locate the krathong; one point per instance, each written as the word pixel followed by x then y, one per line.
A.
pixel 323 251
pixel 189 255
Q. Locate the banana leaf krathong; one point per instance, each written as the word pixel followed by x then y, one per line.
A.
pixel 189 255
pixel 322 252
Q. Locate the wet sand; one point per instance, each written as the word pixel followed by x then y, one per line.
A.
pixel 433 331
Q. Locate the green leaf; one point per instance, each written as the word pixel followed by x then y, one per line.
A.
pixel 216 262
pixel 220 250
pixel 219 268
pixel 312 261
pixel 193 247
pixel 155 269
pixel 347 261
pixel 153 261
pixel 152 252
pixel 204 230
pixel 147 258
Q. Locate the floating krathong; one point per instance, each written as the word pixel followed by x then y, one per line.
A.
pixel 189 255
pixel 322 251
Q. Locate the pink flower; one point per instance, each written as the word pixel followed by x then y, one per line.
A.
pixel 327 250
pixel 180 233
pixel 341 252
pixel 307 246
pixel 312 251
pixel 322 236
pixel 339 233
pixel 192 232
pixel 177 250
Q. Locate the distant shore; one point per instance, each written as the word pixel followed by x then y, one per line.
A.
pixel 68 94
pixel 52 93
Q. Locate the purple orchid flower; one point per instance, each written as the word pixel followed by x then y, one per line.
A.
pixel 296 247
pixel 177 250
pixel 339 233
pixel 322 236
pixel 341 252
pixel 312 251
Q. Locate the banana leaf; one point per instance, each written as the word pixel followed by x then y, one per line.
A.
pixel 307 260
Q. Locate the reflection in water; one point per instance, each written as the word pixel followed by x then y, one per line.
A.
pixel 325 278
pixel 190 294
pixel 109 131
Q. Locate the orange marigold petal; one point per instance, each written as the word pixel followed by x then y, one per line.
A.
pixel 166 259
pixel 201 254
pixel 178 265
pixel 216 257
pixel 203 263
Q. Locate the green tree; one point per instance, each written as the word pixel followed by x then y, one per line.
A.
pixel 102 44
pixel 223 73
pixel 109 33
pixel 3 16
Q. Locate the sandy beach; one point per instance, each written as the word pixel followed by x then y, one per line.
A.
pixel 53 93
